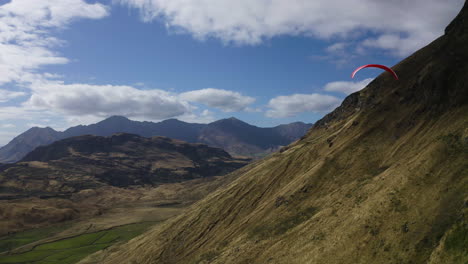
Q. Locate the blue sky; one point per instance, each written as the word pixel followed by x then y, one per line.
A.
pixel 267 62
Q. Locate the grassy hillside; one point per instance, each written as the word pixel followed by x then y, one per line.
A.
pixel 382 179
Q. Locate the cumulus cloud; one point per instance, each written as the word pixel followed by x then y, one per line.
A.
pixel 6 95
pixel 398 45
pixel 105 100
pixel 291 105
pixel 252 21
pixel 336 48
pixel 7 126
pixel 228 101
pixel 25 39
pixel 78 103
pixel 206 116
pixel 347 87
pixel 23 112
pixel 85 103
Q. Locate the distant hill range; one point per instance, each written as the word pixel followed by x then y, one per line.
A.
pixel 88 162
pixel 232 135
pixel 86 176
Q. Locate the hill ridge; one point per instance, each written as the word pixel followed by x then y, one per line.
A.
pixel 227 139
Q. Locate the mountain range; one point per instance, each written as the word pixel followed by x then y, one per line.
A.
pixel 73 164
pixel 232 135
pixel 381 179
pixel 71 178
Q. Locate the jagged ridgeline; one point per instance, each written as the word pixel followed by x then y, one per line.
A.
pixel 382 179
pixel 232 135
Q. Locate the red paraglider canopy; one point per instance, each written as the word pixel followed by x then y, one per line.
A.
pixel 375 66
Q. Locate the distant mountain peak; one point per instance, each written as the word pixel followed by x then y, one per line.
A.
pixel 27 141
pixel 36 128
pixel 172 120
pixel 231 134
pixel 232 120
pixel 116 118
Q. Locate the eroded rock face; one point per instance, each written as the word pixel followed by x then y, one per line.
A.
pixel 121 160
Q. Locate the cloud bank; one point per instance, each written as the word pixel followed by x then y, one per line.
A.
pixel 291 105
pixel 228 101
pixel 399 26
pixel 6 95
pixel 105 100
pixel 347 87
pixel 25 34
pixel 98 101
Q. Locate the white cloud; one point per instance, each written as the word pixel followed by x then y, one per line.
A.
pixel 206 116
pixel 86 104
pixel 7 126
pixel 398 45
pixel 347 87
pixel 291 105
pixel 22 113
pixel 6 95
pixel 252 21
pixel 228 101
pixel 105 100
pixel 337 47
pixel 25 40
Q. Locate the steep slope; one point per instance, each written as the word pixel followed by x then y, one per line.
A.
pixel 382 179
pixel 86 162
pixel 230 134
pixel 27 141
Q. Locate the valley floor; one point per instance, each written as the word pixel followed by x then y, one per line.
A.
pixel 71 241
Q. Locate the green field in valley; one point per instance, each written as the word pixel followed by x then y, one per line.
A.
pixel 16 240
pixel 69 250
